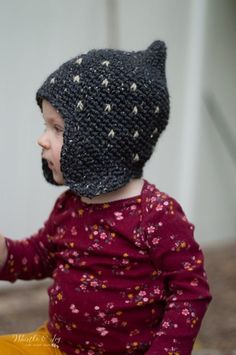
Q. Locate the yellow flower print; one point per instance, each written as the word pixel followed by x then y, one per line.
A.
pixel 80 212
pixel 106 205
pixel 59 296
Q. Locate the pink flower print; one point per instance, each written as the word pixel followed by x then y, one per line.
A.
pixel 185 312
pixel 103 235
pixel 166 203
pixel 166 324
pixel 151 229
pixel 91 352
pixel 160 333
pixel 157 291
pixel 179 292
pixel 188 266
pixel 101 314
pixel 71 261
pixel 94 283
pixel 103 332
pixel 24 261
pixel 155 241
pixel 110 305
pixel 133 207
pixel 150 187
pixel 114 320
pixel 96 308
pixel 134 332
pixel 73 309
pixel 159 207
pixel 142 293
pixel 119 215
pixel 145 299
pixel 74 231
pixel 194 283
pixel 125 261
pixel 60 231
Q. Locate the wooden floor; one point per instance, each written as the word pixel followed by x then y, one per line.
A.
pixel 23 307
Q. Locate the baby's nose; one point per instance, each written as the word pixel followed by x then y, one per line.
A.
pixel 43 141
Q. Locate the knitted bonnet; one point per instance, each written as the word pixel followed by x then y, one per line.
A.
pixel 115 104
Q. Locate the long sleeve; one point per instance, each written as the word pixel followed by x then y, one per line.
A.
pixel 33 257
pixel 179 259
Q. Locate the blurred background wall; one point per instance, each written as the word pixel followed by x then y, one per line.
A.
pixel 195 159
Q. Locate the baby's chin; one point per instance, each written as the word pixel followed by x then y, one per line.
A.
pixel 59 179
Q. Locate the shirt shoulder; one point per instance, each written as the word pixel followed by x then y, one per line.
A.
pixel 155 200
pixel 158 206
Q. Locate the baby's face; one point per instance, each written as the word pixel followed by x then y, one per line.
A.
pixel 52 139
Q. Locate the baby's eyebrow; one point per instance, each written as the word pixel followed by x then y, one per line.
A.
pixel 52 119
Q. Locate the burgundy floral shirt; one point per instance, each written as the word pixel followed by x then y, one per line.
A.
pixel 128 276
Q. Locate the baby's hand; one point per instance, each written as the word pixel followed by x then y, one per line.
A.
pixel 3 251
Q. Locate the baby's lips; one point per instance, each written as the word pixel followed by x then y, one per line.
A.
pixel 50 164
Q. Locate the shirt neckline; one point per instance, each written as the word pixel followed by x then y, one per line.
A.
pixel 115 203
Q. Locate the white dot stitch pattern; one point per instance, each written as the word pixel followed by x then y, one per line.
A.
pixel 136 157
pixel 105 83
pixel 79 61
pixel 80 105
pixel 76 79
pixel 133 87
pixel 108 108
pixel 106 63
pixel 111 133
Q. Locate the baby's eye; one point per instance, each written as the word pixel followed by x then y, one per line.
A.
pixel 58 129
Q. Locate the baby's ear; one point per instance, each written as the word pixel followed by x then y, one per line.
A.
pixel 155 56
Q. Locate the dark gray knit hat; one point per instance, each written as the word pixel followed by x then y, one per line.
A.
pixel 115 105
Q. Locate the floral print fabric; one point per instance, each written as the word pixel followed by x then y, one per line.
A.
pixel 128 276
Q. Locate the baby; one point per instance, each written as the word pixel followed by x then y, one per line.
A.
pixel 128 276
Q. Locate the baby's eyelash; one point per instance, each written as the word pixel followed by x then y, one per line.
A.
pixel 58 128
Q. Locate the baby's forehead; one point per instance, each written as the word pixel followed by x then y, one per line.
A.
pixel 50 113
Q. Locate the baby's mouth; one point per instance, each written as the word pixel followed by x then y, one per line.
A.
pixel 50 164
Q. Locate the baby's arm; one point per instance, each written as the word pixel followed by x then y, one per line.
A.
pixel 3 251
pixel 179 258
pixel 33 257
